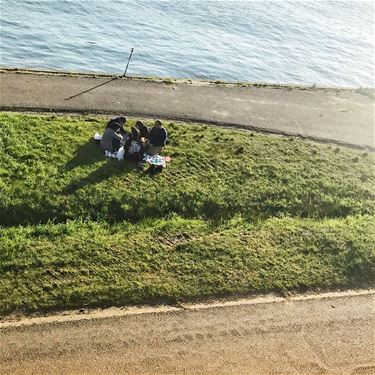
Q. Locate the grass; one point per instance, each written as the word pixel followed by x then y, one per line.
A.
pixel 168 81
pixel 234 212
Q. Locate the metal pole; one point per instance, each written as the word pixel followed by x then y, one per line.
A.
pixel 104 83
pixel 130 56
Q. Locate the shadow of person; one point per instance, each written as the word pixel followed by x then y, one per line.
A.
pixel 111 168
pixel 87 154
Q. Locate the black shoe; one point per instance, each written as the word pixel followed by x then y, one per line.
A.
pixel 158 169
pixel 150 169
pixel 140 166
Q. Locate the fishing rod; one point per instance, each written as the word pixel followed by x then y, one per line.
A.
pixel 104 83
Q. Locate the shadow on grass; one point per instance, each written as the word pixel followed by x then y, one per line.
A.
pixel 111 168
pixel 87 154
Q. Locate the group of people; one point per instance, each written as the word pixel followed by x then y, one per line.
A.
pixel 139 141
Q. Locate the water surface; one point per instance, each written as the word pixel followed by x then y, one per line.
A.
pixel 305 42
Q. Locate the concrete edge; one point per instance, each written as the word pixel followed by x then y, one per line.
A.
pixel 116 312
pixel 190 81
pixel 228 125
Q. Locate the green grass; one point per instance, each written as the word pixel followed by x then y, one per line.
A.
pixel 168 81
pixel 234 212
pixel 50 169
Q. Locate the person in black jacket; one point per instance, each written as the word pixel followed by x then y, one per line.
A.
pixel 144 131
pixel 116 123
pixel 133 146
pixel 157 139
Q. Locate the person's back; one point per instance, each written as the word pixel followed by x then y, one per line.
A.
pixel 158 138
pixel 133 146
pixel 144 131
pixel 109 138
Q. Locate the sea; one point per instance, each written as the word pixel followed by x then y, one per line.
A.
pixel 326 43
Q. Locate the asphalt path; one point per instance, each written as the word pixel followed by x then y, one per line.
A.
pixel 341 116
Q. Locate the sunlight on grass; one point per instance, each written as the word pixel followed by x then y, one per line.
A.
pixel 234 212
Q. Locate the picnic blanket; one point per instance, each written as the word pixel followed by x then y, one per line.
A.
pixel 155 159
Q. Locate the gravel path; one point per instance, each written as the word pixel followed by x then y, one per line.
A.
pixel 330 335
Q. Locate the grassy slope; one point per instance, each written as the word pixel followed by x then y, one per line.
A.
pixel 207 225
pixel 50 169
pixel 72 264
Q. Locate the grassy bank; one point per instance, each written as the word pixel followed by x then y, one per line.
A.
pixel 75 264
pixel 234 212
pixel 51 170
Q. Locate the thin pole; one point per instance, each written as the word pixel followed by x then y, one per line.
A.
pixel 104 83
pixel 130 56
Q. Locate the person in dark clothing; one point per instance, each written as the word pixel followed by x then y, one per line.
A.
pixel 157 139
pixel 133 146
pixel 117 125
pixel 110 141
pixel 144 131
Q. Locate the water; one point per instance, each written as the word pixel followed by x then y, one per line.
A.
pixel 306 42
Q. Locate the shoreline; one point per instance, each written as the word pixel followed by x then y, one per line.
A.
pixel 329 115
pixel 191 81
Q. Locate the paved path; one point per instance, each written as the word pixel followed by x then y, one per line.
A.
pixel 344 116
pixel 332 335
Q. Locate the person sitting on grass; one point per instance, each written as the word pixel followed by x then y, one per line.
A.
pixel 144 131
pixel 157 139
pixel 116 122
pixel 111 138
pixel 133 146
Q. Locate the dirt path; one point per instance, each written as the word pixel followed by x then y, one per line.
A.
pixel 344 116
pixel 331 335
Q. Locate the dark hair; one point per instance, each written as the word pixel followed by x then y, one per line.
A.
pixel 158 122
pixel 140 125
pixel 135 133
pixel 121 119
pixel 116 123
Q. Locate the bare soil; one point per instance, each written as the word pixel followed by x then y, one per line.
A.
pixel 330 334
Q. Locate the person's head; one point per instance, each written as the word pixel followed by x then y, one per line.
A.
pixel 140 125
pixel 121 120
pixel 117 123
pixel 158 124
pixel 135 133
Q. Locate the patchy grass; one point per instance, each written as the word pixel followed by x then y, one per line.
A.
pixel 234 212
pixel 76 263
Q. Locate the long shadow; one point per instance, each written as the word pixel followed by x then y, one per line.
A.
pixel 92 88
pixel 111 168
pixel 87 154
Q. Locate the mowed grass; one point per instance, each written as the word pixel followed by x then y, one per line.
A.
pixel 50 169
pixel 234 212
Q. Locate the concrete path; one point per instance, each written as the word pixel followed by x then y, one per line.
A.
pixel 343 116
pixel 322 335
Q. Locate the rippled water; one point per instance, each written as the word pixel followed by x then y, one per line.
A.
pixel 308 42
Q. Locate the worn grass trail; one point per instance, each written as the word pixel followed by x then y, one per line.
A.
pixel 234 212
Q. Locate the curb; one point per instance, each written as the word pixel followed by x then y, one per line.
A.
pixel 117 312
